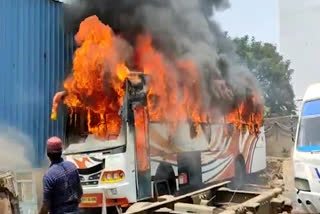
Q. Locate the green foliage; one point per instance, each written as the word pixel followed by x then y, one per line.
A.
pixel 273 73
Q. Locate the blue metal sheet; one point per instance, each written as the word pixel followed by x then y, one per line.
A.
pixel 34 53
pixel 311 108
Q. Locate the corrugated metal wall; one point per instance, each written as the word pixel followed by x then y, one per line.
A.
pixel 34 54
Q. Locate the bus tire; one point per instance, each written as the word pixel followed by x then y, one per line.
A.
pixel 240 173
pixel 165 172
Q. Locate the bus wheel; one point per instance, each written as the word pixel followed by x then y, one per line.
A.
pixel 239 174
pixel 165 180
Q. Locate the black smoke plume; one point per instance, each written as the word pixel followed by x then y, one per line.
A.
pixel 181 30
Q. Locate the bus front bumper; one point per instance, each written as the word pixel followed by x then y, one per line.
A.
pixel 107 195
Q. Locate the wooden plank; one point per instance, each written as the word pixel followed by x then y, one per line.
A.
pixel 157 205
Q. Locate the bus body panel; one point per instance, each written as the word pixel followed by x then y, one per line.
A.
pixel 218 148
pixel 125 189
pixel 220 145
pixel 259 154
pixel 122 189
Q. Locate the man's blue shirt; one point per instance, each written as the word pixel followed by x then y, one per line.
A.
pixel 61 187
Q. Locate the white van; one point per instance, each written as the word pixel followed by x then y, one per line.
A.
pixel 306 157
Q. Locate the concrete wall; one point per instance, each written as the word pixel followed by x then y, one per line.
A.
pixel 280 133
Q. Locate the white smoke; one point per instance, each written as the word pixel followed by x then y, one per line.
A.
pixel 16 151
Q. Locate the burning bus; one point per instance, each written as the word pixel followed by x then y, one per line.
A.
pixel 143 128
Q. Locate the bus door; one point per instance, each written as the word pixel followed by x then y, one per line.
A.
pixel 143 169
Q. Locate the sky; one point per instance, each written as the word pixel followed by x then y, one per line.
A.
pixel 295 28
pixel 258 18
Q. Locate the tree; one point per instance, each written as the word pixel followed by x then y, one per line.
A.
pixel 272 72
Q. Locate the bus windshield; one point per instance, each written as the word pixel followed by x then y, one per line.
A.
pixel 79 139
pixel 309 130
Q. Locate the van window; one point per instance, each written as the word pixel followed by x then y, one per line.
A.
pixel 309 130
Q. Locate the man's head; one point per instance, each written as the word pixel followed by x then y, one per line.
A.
pixel 54 148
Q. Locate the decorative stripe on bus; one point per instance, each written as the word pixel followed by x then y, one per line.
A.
pixel 215 164
pixel 210 176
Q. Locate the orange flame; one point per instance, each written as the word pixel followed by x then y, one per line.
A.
pixel 141 136
pixel 174 93
pixel 97 84
pixel 248 115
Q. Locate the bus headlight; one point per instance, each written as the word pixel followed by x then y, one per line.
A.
pixel 302 184
pixel 112 176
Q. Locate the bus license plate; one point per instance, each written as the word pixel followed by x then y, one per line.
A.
pixel 89 200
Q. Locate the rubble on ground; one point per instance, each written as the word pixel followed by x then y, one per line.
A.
pixel 272 177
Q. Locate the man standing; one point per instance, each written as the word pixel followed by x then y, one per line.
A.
pixel 62 189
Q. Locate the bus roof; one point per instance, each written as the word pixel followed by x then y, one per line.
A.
pixel 312 93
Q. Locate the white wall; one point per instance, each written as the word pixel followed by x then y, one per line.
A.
pixel 300 40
